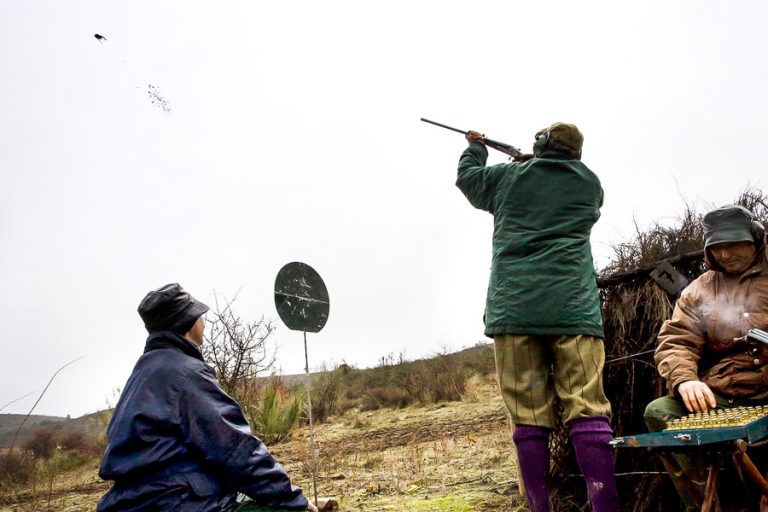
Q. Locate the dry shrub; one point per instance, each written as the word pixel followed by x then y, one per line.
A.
pixel 65 460
pixel 755 201
pixel 359 422
pixel 426 381
pixel 239 350
pixel 41 442
pixel 345 403
pixel 398 383
pixel 472 389
pixel 444 380
pixel 28 484
pixel 480 359
pixel 47 453
pixel 325 393
pixel 16 468
pixel 411 379
pixel 658 243
pixel 378 397
pixel 77 441
pixel 102 419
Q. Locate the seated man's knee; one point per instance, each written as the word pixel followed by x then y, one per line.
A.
pixel 661 411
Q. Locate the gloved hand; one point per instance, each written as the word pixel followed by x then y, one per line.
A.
pixel 473 136
pixel 311 507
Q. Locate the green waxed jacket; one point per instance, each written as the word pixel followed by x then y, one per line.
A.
pixel 543 279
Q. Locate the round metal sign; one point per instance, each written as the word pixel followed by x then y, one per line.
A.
pixel 301 298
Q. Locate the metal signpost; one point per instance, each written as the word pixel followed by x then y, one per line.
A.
pixel 301 299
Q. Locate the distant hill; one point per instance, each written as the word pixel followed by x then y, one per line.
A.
pixel 466 356
pixel 9 423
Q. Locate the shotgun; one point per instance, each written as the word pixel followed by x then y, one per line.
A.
pixel 512 151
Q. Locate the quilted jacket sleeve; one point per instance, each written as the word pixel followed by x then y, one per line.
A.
pixel 681 341
pixel 215 427
pixel 477 182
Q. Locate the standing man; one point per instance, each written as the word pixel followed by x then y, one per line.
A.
pixel 542 308
pixel 699 352
pixel 176 440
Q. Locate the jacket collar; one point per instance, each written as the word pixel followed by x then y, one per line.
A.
pixel 551 154
pixel 174 340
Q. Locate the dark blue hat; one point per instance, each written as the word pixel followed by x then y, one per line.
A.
pixel 170 308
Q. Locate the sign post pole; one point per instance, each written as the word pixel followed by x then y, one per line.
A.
pixel 311 429
pixel 301 299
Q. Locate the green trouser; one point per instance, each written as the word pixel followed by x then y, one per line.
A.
pixel 251 507
pixel 667 408
pixel 695 465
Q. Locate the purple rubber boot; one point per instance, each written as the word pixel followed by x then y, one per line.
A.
pixel 532 445
pixel 590 437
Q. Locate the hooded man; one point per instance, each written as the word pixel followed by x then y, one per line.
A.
pixel 699 353
pixel 542 307
pixel 176 441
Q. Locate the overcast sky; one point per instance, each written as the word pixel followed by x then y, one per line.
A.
pixel 291 133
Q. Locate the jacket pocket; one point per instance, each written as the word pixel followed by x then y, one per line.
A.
pixel 735 378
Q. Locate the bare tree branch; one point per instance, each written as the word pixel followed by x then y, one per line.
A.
pixel 16 435
pixel 238 350
pixel 17 399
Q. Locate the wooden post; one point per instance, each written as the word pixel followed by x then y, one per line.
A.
pixel 749 467
pixel 680 479
pixel 711 503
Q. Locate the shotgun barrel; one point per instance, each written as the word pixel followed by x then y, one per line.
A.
pixel 507 149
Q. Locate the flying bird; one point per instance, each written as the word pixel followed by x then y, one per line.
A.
pixel 100 38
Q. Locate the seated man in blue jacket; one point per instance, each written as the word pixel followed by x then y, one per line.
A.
pixel 176 440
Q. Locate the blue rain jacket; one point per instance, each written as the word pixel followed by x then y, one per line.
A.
pixel 177 441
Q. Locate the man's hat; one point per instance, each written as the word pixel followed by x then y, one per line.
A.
pixel 731 223
pixel 170 308
pixel 564 134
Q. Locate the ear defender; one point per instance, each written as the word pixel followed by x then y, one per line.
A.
pixel 541 140
pixel 757 227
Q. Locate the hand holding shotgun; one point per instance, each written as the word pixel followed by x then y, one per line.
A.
pixel 512 151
